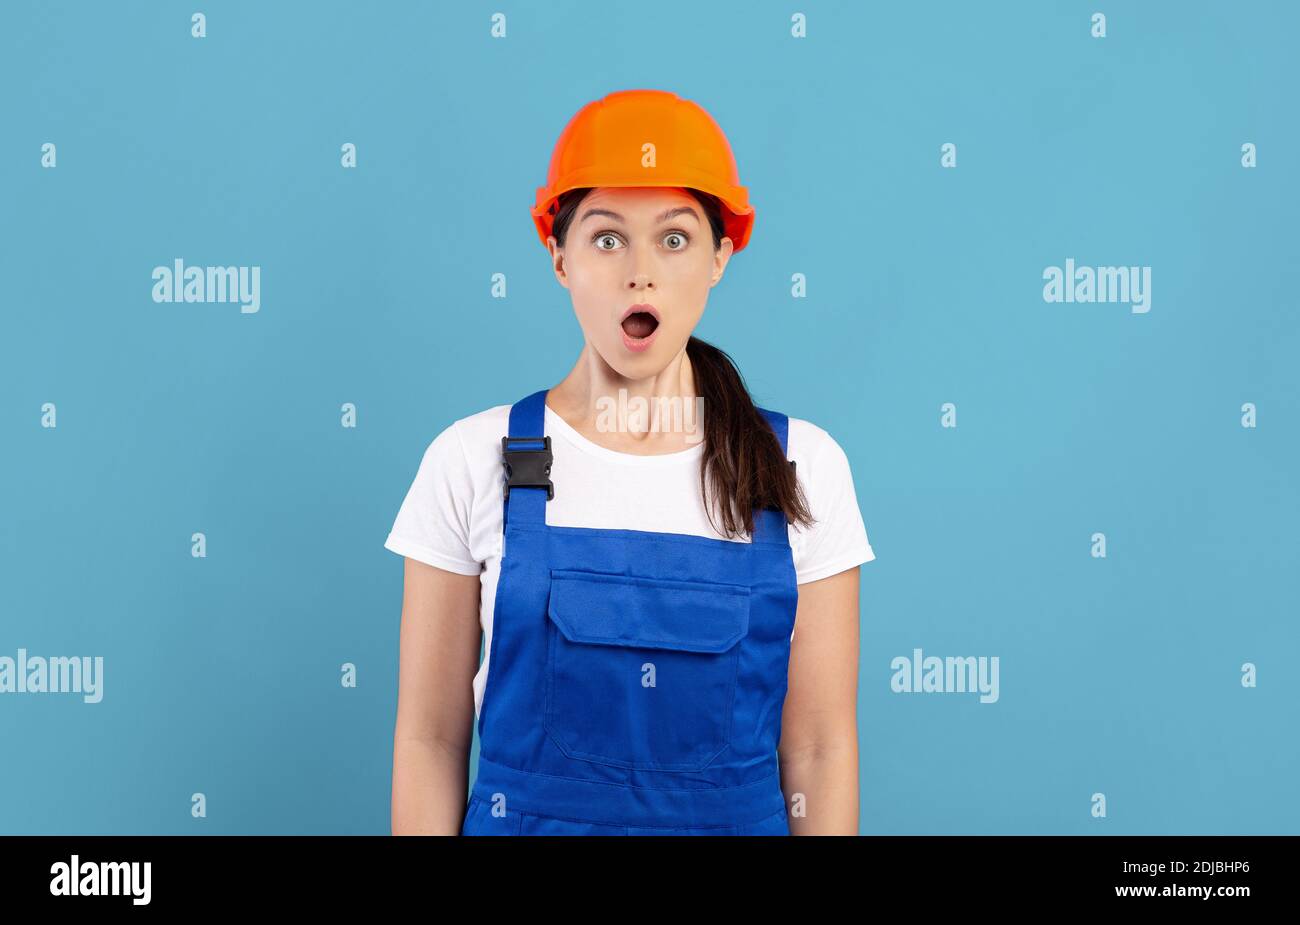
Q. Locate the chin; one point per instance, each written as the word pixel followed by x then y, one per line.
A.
pixel 631 365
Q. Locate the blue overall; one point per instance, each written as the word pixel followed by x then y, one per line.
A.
pixel 636 679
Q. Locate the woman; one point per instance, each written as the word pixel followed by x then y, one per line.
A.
pixel 670 604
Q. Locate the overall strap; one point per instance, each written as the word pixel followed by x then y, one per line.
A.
pixel 526 460
pixel 769 524
pixel 780 423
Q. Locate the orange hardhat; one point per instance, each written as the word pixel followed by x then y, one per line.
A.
pixel 605 145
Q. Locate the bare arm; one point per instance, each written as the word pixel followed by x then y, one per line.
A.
pixel 819 726
pixel 440 642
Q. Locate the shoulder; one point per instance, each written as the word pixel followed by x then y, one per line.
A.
pixel 485 428
pixel 456 455
pixel 820 466
pixel 812 447
pixel 837 538
pixel 442 521
pixel 471 437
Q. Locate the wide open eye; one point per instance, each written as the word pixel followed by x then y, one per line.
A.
pixel 604 236
pixel 680 238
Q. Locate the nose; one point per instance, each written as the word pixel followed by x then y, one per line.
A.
pixel 642 263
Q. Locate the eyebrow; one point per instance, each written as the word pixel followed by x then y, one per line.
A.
pixel 662 217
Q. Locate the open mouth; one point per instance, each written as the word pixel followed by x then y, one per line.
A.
pixel 639 325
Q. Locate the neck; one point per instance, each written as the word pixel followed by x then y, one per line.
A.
pixel 585 396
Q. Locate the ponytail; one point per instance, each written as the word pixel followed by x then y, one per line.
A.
pixel 743 466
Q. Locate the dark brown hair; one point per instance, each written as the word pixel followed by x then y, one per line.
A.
pixel 743 464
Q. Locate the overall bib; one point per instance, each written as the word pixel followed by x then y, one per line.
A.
pixel 636 679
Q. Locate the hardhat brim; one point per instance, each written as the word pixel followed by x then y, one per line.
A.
pixel 738 214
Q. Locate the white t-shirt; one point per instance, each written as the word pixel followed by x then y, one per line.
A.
pixel 451 516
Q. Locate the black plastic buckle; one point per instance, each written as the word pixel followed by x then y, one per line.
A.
pixel 527 468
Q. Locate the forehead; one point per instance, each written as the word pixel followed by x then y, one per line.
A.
pixel 637 203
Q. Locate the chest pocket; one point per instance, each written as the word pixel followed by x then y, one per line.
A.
pixel 642 673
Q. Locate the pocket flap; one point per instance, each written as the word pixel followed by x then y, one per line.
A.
pixel 619 610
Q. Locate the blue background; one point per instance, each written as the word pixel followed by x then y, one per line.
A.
pixel 1118 675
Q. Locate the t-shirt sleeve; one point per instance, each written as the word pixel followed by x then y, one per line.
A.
pixel 433 523
pixel 838 539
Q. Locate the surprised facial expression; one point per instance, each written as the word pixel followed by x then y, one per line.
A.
pixel 639 263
